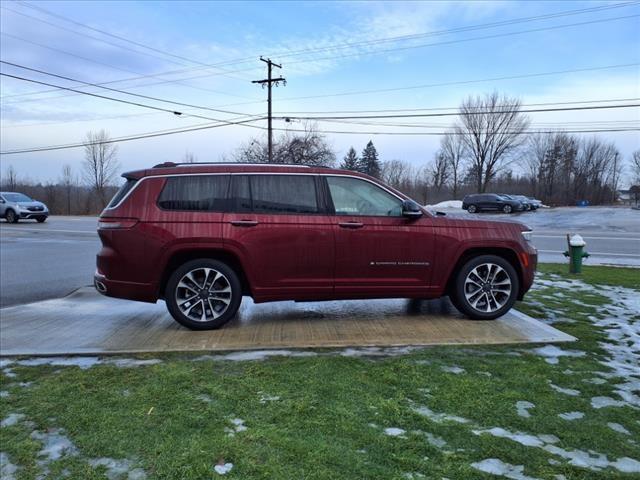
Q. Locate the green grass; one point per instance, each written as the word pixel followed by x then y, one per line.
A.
pixel 329 419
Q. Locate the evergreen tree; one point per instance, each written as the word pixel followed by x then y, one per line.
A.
pixel 369 162
pixel 350 161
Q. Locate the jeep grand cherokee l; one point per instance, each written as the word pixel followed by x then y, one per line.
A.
pixel 201 236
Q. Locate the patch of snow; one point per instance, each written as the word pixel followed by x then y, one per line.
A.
pixel 394 432
pixel 525 439
pixel 601 402
pixel 551 353
pixel 567 391
pixel 616 427
pixel 55 445
pixel 255 355
pixel 413 475
pixel 446 204
pixel 595 381
pixel 434 441
pixel 571 416
pixel 7 469
pixel 204 398
pixel 486 374
pixel 223 468
pixel 12 419
pixel 522 407
pixel 495 466
pixel 4 394
pixel 438 417
pixel 117 468
pixel 264 398
pixel 85 363
pixel 238 426
pixel 453 369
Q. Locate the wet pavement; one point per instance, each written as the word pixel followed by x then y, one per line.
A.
pixel 88 323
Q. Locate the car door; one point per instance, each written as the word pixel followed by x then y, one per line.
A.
pixel 279 228
pixel 378 251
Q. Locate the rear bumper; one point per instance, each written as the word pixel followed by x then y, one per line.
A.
pixel 141 292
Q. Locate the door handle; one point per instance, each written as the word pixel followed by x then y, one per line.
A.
pixel 351 225
pixel 244 223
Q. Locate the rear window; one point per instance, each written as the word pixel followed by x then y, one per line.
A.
pixel 202 193
pixel 120 194
pixel 283 194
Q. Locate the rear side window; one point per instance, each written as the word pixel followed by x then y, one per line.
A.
pixel 120 194
pixel 200 193
pixel 294 194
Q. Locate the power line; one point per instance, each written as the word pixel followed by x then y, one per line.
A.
pixel 121 91
pixel 446 114
pixel 160 133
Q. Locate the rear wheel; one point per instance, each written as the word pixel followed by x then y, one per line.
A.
pixel 472 209
pixel 485 287
pixel 11 216
pixel 203 294
pixel 507 209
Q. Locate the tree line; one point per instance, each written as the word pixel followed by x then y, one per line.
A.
pixel 489 147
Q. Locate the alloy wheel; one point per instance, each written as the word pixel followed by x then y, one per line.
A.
pixel 203 294
pixel 487 287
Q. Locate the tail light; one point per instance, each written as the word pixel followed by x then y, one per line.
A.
pixel 116 223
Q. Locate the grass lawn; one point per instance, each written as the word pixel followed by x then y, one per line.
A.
pixel 524 411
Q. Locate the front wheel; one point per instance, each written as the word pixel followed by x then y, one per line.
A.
pixel 41 219
pixel 507 209
pixel 485 287
pixel 11 216
pixel 472 209
pixel 203 294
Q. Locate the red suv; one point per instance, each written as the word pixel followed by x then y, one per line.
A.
pixel 200 236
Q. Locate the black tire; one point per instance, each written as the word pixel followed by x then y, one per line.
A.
pixel 459 288
pixel 11 216
pixel 472 209
pixel 507 209
pixel 173 291
pixel 41 219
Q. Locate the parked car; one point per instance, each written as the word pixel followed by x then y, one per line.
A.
pixel 16 206
pixel 535 203
pixel 201 236
pixel 526 203
pixel 483 202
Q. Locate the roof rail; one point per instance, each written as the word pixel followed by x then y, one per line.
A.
pixel 173 164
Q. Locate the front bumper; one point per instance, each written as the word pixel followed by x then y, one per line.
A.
pixel 29 214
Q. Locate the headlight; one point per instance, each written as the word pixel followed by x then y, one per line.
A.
pixel 527 235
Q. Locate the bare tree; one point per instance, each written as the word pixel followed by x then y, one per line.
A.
pixel 100 163
pixel 10 179
pixel 439 171
pixel 395 173
pixel 492 129
pixel 452 150
pixel 67 181
pixel 189 157
pixel 635 165
pixel 302 148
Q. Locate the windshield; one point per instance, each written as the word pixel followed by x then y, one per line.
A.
pixel 16 197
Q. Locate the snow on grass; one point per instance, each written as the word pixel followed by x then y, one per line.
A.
pixel 204 398
pixel 566 391
pixel 264 398
pixel 616 427
pixel 223 468
pixel 55 445
pixel 434 441
pixel 579 458
pixel 7 469
pixel 522 407
pixel 394 432
pixel 12 419
pixel 453 369
pixel 602 402
pixel 570 416
pixel 552 354
pixel 83 363
pixel 116 469
pixel 438 417
pixel 497 467
pixel 237 427
pixel 4 394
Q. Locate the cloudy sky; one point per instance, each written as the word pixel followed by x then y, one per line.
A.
pixel 336 56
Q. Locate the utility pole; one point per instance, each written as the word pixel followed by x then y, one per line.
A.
pixel 269 81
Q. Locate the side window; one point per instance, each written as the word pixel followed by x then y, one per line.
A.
pixel 352 196
pixel 284 194
pixel 201 193
pixel 240 197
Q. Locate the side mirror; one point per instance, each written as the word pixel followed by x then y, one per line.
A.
pixel 411 209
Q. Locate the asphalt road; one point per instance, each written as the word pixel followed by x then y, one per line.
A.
pixel 50 260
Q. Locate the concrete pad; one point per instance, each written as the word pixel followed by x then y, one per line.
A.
pixel 88 323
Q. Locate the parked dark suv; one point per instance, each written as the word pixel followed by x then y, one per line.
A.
pixel 200 236
pixel 482 202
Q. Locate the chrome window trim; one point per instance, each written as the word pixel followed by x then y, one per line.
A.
pixel 248 173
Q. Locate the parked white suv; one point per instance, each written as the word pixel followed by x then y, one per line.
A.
pixel 16 206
